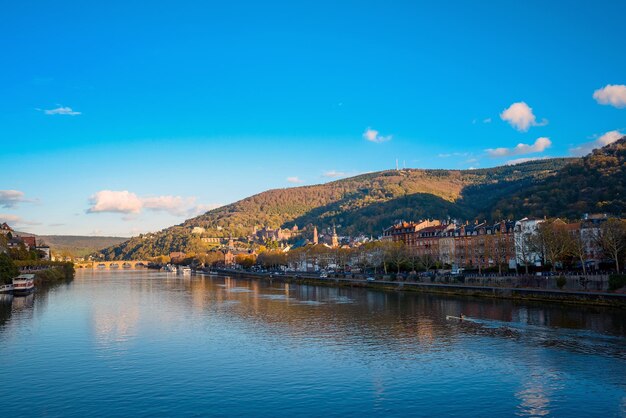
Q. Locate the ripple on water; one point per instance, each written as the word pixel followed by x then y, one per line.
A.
pixel 142 344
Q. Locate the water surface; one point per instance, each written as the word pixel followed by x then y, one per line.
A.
pixel 140 343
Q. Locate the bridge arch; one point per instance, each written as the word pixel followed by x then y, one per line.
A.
pixel 112 265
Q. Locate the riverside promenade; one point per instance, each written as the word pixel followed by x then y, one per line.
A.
pixel 498 289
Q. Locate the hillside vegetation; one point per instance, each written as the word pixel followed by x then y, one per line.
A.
pixel 77 245
pixel 367 203
pixel 362 204
pixel 595 183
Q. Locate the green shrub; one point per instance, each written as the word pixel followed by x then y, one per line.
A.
pixel 8 269
pixel 617 281
pixel 561 281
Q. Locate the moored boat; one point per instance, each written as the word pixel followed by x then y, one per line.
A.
pixel 170 268
pixel 185 271
pixel 23 284
pixel 6 288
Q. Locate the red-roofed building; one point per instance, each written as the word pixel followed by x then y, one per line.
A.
pixel 5 229
pixel 29 242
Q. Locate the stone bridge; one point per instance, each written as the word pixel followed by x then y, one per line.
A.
pixel 112 265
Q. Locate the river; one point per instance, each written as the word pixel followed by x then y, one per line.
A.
pixel 142 343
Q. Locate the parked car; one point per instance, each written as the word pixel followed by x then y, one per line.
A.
pixel 370 279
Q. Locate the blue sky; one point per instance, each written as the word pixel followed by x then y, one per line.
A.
pixel 125 117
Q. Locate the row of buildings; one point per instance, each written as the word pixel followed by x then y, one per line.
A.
pixel 482 245
pixel 264 234
pixel 16 241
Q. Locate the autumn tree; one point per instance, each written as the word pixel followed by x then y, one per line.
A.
pixel 272 259
pixel 245 260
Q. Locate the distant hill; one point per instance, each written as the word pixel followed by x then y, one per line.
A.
pixel 362 204
pixel 79 245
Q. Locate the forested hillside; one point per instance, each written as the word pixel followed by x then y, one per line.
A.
pixel 362 204
pixel 595 183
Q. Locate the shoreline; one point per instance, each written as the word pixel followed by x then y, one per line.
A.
pixel 617 300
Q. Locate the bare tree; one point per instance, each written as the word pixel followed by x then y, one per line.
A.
pixel 428 261
pixel 395 254
pixel 524 248
pixel 612 240
pixel 362 258
pixel 413 258
pixel 577 248
pixel 553 239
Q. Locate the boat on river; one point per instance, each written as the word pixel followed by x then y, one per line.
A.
pixel 6 288
pixel 459 318
pixel 185 271
pixel 23 284
pixel 170 268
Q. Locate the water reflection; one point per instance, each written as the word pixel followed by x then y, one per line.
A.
pixel 320 349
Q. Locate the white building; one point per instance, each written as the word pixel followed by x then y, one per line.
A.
pixel 525 253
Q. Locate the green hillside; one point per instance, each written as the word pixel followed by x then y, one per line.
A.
pixel 595 183
pixel 362 204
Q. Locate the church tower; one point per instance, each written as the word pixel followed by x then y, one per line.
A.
pixel 315 237
pixel 231 242
pixel 335 238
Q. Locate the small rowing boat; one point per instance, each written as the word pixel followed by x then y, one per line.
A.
pixel 459 318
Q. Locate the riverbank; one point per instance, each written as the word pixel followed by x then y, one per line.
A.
pixel 516 293
pixel 50 273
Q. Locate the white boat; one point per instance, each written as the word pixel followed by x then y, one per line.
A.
pixel 6 288
pixel 23 284
pixel 185 271
pixel 170 268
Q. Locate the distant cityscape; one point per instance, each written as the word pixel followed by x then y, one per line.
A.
pixel 521 246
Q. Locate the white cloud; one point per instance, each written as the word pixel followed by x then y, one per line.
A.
pixel 520 116
pixel 524 160
pixel 605 139
pixel 294 179
pixel 487 120
pixel 611 94
pixel 334 174
pixel 10 219
pixel 202 208
pixel 132 205
pixel 115 201
pixel 11 198
pixel 373 135
pixel 14 220
pixel 539 146
pixel 453 154
pixel 175 205
pixel 61 110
